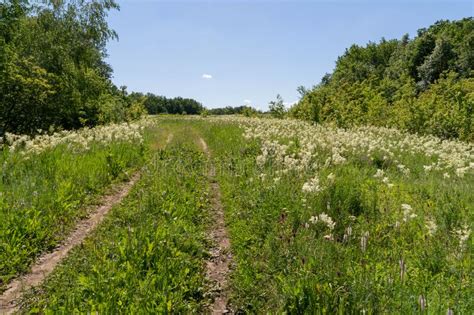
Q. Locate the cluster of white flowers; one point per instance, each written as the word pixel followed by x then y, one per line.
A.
pixel 449 156
pixel 402 168
pixel 326 220
pixel 323 218
pixel 408 212
pixel 379 174
pixel 312 186
pixel 463 234
pixel 431 226
pixel 78 139
pixel 325 146
pixel 347 234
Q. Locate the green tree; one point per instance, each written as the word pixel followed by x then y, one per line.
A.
pixel 277 107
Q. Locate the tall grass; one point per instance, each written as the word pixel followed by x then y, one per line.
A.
pixel 44 192
pixel 148 255
pixel 352 232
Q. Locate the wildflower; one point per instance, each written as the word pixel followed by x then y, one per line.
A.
pixel 312 186
pixel 461 171
pixel 402 168
pixel 430 224
pixel 386 181
pixel 261 160
pixel 323 218
pixel 407 212
pixel 401 262
pixel 327 220
pixel 313 219
pixel 379 174
pixel 422 302
pixel 349 231
pixel 363 241
pixel 463 235
pixel 328 237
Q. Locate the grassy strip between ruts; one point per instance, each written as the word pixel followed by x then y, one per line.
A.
pixel 351 247
pixel 42 195
pixel 147 256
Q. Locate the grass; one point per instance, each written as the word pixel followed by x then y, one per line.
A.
pixel 285 263
pixel 358 236
pixel 44 195
pixel 148 255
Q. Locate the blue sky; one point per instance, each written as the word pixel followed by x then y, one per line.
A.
pixel 234 52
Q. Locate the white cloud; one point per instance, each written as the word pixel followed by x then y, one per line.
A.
pixel 247 102
pixel 206 76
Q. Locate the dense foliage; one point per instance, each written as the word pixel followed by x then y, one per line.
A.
pixel 52 69
pixel 156 104
pixel 423 85
pixel 229 110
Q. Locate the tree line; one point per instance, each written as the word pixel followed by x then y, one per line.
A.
pixel 424 84
pixel 234 110
pixel 156 104
pixel 53 73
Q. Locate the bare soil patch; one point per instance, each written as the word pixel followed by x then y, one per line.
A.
pixel 218 266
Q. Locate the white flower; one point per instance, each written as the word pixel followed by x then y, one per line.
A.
pixel 463 233
pixel 406 207
pixel 407 212
pixel 312 186
pixel 323 218
pixel 403 169
pixel 461 171
pixel 363 241
pixel 430 224
pixel 329 237
pixel 379 174
pixel 349 231
pixel 328 220
pixel 314 219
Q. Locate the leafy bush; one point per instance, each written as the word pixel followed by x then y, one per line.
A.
pixel 423 85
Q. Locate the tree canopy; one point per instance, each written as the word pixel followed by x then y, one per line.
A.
pixel 423 85
pixel 53 72
pixel 156 104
